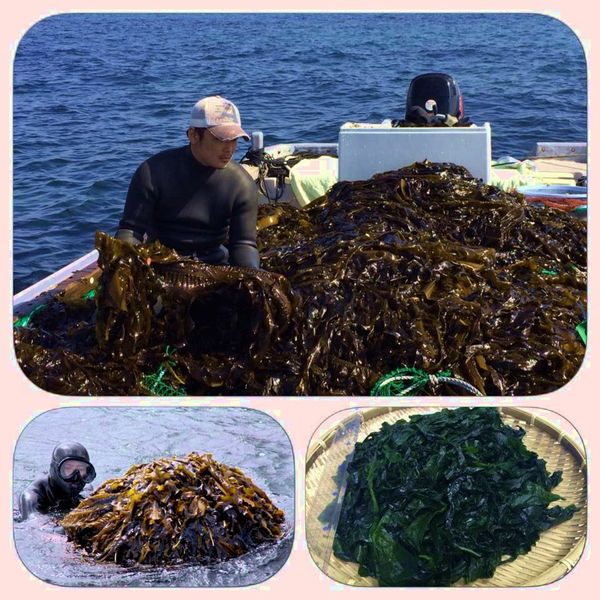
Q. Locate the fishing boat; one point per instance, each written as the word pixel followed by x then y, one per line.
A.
pixel 300 173
pixel 297 173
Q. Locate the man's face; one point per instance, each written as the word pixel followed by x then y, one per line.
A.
pixel 211 151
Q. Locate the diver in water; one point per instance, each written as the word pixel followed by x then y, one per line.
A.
pixel 70 470
pixel 192 199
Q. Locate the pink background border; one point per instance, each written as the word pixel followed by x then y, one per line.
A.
pixel 299 578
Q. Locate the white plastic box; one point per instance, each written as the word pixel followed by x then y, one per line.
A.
pixel 366 149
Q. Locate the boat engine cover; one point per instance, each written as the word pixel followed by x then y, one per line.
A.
pixel 435 93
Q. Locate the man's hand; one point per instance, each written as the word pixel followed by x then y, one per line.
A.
pixel 127 235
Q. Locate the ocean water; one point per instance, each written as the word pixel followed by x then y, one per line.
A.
pixel 96 94
pixel 117 438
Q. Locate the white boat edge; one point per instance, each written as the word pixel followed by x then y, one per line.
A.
pixel 49 283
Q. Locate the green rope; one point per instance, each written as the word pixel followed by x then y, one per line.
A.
pixel 25 320
pixel 154 383
pixel 553 272
pixel 581 329
pixel 408 381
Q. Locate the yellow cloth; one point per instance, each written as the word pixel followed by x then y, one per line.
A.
pixel 312 177
pixel 525 173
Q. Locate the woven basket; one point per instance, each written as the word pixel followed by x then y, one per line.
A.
pixel 554 555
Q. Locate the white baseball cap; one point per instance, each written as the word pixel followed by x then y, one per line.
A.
pixel 220 116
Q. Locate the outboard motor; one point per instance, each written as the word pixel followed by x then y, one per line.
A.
pixel 433 94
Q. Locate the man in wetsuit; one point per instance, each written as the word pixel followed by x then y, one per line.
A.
pixel 194 198
pixel 70 470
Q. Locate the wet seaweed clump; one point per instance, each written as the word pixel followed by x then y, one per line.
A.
pixel 424 268
pixel 173 510
pixel 428 268
pixel 444 497
pixel 150 294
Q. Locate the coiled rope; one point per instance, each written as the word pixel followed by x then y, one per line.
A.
pixel 407 381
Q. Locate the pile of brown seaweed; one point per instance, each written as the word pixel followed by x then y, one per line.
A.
pixel 173 510
pixel 423 267
pixel 150 295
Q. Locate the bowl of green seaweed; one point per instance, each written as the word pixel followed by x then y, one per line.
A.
pixel 430 497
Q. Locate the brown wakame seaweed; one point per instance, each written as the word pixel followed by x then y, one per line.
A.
pixel 172 510
pixel 424 267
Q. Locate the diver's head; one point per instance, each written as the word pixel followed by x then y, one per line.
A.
pixel 71 468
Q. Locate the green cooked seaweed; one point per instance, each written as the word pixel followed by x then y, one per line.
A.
pixel 444 497
pixel 423 268
pixel 173 510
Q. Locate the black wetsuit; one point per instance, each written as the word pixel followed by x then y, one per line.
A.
pixel 43 495
pixel 52 491
pixel 192 208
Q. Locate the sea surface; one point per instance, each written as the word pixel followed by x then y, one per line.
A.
pixel 117 438
pixel 96 94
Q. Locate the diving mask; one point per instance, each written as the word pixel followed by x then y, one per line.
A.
pixel 69 469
